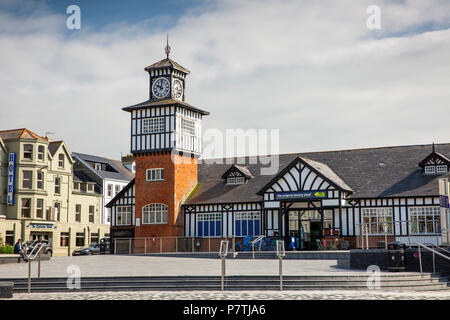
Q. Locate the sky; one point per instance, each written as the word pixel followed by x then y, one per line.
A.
pixel 311 69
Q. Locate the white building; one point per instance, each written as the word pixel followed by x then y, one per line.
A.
pixel 111 175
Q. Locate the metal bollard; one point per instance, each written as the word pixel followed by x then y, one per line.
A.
pixel 29 275
pixel 39 265
pixel 434 261
pixel 223 273
pixel 281 272
pixel 420 261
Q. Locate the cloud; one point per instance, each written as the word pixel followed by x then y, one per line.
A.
pixel 311 69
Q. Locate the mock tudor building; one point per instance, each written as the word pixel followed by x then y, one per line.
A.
pixel 311 195
pixel 41 195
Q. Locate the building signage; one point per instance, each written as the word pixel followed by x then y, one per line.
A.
pixel 299 195
pixel 11 177
pixel 443 200
pixel 41 226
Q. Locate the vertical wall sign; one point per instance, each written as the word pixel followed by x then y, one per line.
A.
pixel 11 177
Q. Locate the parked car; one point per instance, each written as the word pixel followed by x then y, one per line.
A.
pixel 104 245
pixel 47 249
pixel 94 248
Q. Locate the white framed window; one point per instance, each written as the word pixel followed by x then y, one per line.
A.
pixel 441 169
pixel 188 127
pixel 98 166
pixel 40 180
pixel 123 215
pixel 236 180
pixel 153 125
pixel 28 151
pixel 247 223
pixel 110 190
pixel 424 220
pixel 156 174
pixel 430 169
pixel 41 152
pixel 154 213
pixel 209 225
pixel 117 189
pixel 378 220
pixel 61 161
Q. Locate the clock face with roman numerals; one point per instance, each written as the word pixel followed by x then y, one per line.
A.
pixel 161 87
pixel 177 89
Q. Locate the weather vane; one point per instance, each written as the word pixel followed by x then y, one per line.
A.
pixel 167 47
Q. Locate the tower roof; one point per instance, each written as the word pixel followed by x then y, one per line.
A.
pixel 167 63
pixel 163 103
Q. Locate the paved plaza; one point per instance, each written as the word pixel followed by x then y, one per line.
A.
pixel 115 265
pixel 241 295
pixel 110 265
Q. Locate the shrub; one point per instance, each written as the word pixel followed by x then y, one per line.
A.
pixel 6 249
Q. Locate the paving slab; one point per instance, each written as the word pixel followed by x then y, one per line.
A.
pixel 115 265
pixel 241 295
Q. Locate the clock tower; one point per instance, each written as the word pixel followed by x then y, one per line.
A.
pixel 166 142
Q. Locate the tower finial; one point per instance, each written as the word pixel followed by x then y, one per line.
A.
pixel 167 50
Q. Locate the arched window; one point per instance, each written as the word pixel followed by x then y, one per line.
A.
pixel 154 213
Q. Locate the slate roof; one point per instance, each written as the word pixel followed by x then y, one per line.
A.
pixel 53 147
pixel 164 103
pixel 22 133
pixel 370 173
pixel 167 63
pixel 122 172
pixel 80 176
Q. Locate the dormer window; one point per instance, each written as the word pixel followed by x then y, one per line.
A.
pixel 237 175
pixel 237 180
pixel 435 163
pixel 441 169
pixel 98 166
pixel 430 169
pixel 436 169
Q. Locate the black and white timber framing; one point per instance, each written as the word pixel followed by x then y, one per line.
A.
pixel 388 178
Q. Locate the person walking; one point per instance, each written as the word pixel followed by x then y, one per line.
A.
pixel 18 249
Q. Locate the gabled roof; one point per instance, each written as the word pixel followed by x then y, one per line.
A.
pixel 328 174
pixel 434 155
pixel 122 192
pixel 54 146
pixel 121 172
pixel 370 173
pixel 243 170
pixel 163 103
pixel 167 63
pixel 22 133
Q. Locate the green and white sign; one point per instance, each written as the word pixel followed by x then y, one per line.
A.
pixel 298 195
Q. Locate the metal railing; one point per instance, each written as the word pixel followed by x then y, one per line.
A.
pixel 37 253
pixel 409 232
pixel 149 245
pixel 434 253
pixel 254 242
